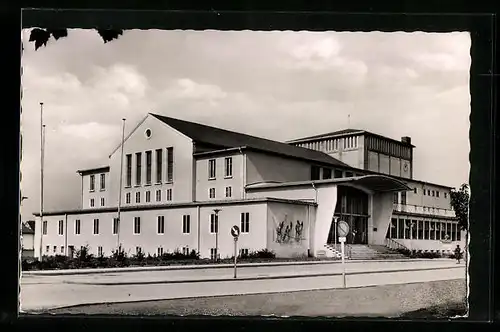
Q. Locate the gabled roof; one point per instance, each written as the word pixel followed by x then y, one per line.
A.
pixel 200 133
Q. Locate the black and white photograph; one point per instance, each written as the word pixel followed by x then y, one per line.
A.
pixel 245 173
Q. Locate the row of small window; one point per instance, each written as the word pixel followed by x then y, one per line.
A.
pixel 396 200
pixel 212 168
pixel 328 173
pixel 423 230
pixel 229 192
pixel 100 252
pixel 92 202
pixel 186 225
pixel 433 193
pixel 102 182
pixel 332 144
pixel 149 167
pixel 128 196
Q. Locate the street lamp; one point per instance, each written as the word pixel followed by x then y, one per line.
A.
pixel 216 226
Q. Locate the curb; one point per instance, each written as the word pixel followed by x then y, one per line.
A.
pixel 223 279
pixel 205 266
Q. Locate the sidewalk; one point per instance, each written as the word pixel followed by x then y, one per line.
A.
pixel 207 266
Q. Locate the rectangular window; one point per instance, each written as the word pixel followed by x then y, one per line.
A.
pixel 420 229
pixel 186 224
pixel 62 249
pixel 159 165
pixel 459 233
pixel 161 225
pixel 128 162
pixel 327 173
pixel 211 193
pixel 432 233
pixel 228 167
pixel 47 248
pixel 169 195
pixel 423 191
pixel 148 196
pixel 138 250
pixel 158 195
pixel 349 174
pixel 445 195
pixel 228 191
pixel 61 227
pixel 160 251
pixel 213 253
pixel 439 230
pixel 149 166
pixel 102 201
pixel 103 181
pixel 96 226
pixel 426 230
pixel 137 225
pixel 243 252
pixel 401 228
pixel 395 198
pixel 137 197
pixel 115 225
pixel 403 197
pixel 337 174
pixel 433 193
pixel 214 223
pixel 170 164
pixel 54 249
pixel 414 228
pixel 138 168
pixel 407 228
pixel 415 190
pixel 92 183
pixel 211 169
pixel 77 226
pixel 44 227
pixel 185 250
pixel 437 193
pixel 394 228
pixel 92 202
pixel 127 198
pixel 245 222
pixel 314 173
pixel 99 251
pixel 428 192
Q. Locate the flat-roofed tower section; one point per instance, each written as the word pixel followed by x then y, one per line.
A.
pixel 365 150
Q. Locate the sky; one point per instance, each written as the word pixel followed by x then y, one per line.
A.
pixel 277 85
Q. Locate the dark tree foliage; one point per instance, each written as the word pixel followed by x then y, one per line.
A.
pixel 460 203
pixel 41 36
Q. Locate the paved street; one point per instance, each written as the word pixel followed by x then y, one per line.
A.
pixel 42 292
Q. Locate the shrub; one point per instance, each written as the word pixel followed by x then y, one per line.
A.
pixel 263 253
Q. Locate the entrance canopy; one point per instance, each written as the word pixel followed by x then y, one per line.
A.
pixel 380 183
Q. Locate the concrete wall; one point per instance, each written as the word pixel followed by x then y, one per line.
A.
pixel 380 208
pixel 236 181
pixel 385 164
pixel 162 137
pixel 433 245
pixel 97 193
pixel 295 193
pixel 419 199
pixel 327 201
pixel 149 240
pixel 265 167
pixel 295 218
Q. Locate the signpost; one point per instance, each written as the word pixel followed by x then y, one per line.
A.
pixel 235 232
pixel 343 230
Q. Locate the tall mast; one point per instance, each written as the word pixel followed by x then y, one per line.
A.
pixel 121 185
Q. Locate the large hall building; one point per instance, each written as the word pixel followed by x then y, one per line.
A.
pixel 184 185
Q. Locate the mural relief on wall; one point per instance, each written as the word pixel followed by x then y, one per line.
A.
pixel 288 232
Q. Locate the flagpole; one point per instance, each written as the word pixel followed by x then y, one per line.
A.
pixel 42 126
pixel 121 185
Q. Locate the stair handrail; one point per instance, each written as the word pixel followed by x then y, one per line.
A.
pixel 393 244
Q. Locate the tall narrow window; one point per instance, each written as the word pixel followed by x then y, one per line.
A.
pixel 214 223
pixel 170 164
pixel 61 227
pixel 77 226
pixel 245 222
pixel 403 197
pixel 103 181
pixel 149 161
pixel 211 193
pixel 395 198
pixel 186 224
pixel 159 165
pixel 160 251
pixel 158 195
pixel 96 226
pixel 128 162
pixel 115 225
pixel 92 202
pixel 44 227
pixel 102 201
pixel 92 183
pixel 138 168
pixel 137 197
pixel 228 192
pixel 148 196
pixel 161 225
pixel 327 173
pixel 228 167
pixel 169 194
pixel 211 169
pixel 314 173
pixel 127 198
pixel 137 225
pixel 99 251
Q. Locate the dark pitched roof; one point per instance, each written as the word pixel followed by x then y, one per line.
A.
pixel 229 139
pixel 102 169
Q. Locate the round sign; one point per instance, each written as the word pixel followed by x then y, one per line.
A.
pixel 342 228
pixel 235 231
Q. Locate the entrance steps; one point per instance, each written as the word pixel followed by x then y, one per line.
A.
pixel 366 252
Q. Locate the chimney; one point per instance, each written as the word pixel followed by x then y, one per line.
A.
pixel 406 140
